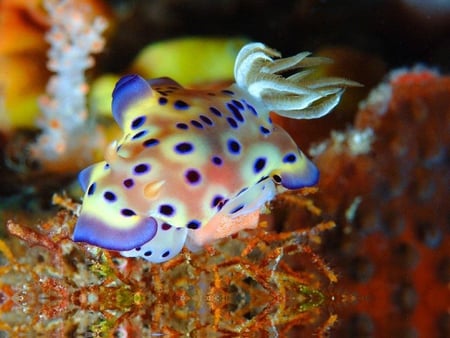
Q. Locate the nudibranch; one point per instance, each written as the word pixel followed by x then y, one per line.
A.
pixel 193 166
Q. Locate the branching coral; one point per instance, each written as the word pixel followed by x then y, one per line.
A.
pixel 54 286
pixel 67 138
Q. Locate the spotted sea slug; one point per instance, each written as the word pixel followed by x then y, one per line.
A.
pixel 194 166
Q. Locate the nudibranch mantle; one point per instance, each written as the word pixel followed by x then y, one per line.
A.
pixel 193 166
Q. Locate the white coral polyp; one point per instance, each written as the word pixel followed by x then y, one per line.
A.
pixel 73 37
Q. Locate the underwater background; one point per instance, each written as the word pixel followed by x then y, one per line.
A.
pixel 366 254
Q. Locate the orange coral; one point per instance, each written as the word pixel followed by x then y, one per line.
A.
pixel 391 204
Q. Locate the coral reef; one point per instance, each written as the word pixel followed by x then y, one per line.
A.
pixel 384 181
pixel 51 286
pixel 389 197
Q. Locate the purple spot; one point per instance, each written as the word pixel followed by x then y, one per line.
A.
pixel 91 189
pixel 217 160
pixel 259 165
pixel 151 142
pixel 234 147
pixel 128 183
pixel 232 122
pixel 193 176
pixel 206 119
pixel 141 168
pixel 148 253
pixel 106 167
pixel 184 148
pixel 162 101
pixel 194 224
pixel 165 226
pixel 166 209
pixel 238 116
pixel 196 124
pixel 165 254
pixel 236 113
pixel 182 125
pixel 242 191
pixel 127 212
pixel 238 104
pixel 215 111
pixel 289 158
pixel 110 196
pixel 139 134
pixel 216 201
pixel 264 130
pixel 262 179
pixel 221 204
pixel 235 210
pixel 137 122
pixel 252 109
pixel 276 178
pixel 180 105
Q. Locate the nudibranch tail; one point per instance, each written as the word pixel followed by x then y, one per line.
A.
pixel 295 96
pixel 304 174
pixel 295 170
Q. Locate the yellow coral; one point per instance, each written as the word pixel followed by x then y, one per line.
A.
pixel 189 60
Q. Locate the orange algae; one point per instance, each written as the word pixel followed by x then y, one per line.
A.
pixel 392 204
pixel 54 286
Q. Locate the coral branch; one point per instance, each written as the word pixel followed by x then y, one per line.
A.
pixel 67 138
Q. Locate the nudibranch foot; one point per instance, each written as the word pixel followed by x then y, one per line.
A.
pixel 167 243
pixel 103 234
pixel 220 226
